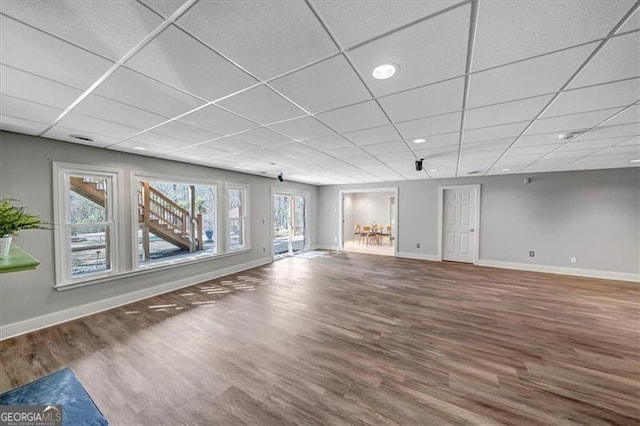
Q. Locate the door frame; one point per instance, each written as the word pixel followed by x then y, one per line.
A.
pixel 292 192
pixel 476 214
pixel 341 193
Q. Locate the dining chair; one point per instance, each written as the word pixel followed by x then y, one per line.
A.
pixel 357 233
pixel 366 233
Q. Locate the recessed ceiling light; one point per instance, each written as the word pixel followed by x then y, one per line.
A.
pixel 505 170
pixel 567 136
pixel 384 71
pixel 433 170
pixel 634 161
pixel 81 138
pixel 419 140
pixel 139 148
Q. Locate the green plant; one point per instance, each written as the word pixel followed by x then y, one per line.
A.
pixel 14 219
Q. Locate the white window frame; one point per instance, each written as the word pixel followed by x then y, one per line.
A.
pixel 245 218
pixel 62 225
pixel 182 180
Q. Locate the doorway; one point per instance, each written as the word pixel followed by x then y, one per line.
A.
pixel 289 223
pixel 368 221
pixel 459 224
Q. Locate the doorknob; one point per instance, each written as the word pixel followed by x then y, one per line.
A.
pixel 472 230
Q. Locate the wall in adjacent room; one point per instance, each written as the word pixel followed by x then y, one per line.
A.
pixel 28 299
pixel 591 215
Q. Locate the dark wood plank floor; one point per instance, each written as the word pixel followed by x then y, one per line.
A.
pixel 356 339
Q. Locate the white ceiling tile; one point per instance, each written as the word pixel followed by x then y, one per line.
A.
pixel 267 38
pixel 591 144
pixel 179 60
pixel 164 7
pixel 230 144
pixel 618 94
pixel 494 132
pixel 632 129
pixel 353 22
pixel 538 76
pixel 346 153
pixel 632 24
pixel 440 153
pixel 630 151
pixel 487 146
pixel 323 86
pixel 19 125
pixel 262 137
pixel 420 62
pixel 430 126
pixel 629 141
pixel 533 150
pixel 445 139
pixel 63 134
pixel 135 89
pixel 431 100
pixel 179 130
pixel 630 115
pixel 381 150
pixel 159 142
pixel 303 128
pixel 206 150
pixel 329 142
pixel 108 28
pixel 217 120
pixel 512 30
pixel 355 117
pixel 117 112
pixel 26 110
pixel 508 112
pixel 299 151
pixel 372 136
pixel 540 139
pixel 36 89
pixel 262 105
pixel 619 59
pixel 569 155
pixel 80 123
pixel 572 122
pixel 36 52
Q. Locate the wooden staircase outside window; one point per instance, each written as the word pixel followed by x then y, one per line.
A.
pixel 157 215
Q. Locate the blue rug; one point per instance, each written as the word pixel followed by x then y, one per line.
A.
pixel 60 388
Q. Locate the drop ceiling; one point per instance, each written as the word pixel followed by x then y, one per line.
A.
pixel 286 86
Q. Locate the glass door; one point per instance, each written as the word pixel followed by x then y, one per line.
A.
pixel 289 223
pixel 298 224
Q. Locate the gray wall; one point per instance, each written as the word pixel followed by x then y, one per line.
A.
pixel 591 215
pixel 371 207
pixel 26 175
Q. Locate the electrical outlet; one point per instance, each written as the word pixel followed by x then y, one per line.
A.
pixel 417 245
pixel 532 253
pixel 574 260
pixel 335 239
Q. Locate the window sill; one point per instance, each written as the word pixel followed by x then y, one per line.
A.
pixel 147 270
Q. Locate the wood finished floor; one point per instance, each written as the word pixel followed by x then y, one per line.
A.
pixel 356 339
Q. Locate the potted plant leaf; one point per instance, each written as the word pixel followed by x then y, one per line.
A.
pixel 12 220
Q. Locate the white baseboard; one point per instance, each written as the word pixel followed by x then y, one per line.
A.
pixel 419 256
pixel 591 273
pixel 325 247
pixel 37 323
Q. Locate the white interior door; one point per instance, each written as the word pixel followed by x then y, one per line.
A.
pixel 459 227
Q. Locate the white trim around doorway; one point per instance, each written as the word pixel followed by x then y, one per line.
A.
pixel 292 191
pixel 393 189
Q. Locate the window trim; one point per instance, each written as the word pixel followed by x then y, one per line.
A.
pixel 246 237
pixel 183 180
pixel 61 188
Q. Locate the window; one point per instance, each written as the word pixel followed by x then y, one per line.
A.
pixel 85 231
pixel 237 213
pixel 175 221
